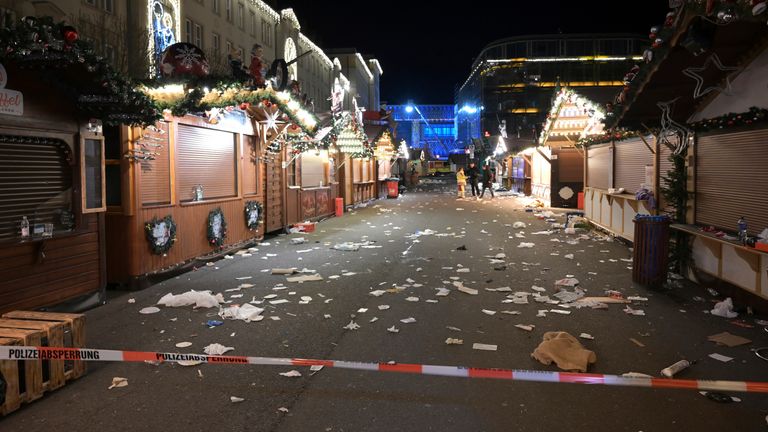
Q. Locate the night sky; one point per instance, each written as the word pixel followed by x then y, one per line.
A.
pixel 425 50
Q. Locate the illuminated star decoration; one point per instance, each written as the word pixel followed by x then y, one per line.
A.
pixel 271 120
pixel 694 72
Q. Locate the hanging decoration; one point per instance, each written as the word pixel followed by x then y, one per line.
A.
pixel 585 107
pixel 754 115
pixel 385 150
pixel 184 59
pixel 254 213
pixel 161 234
pixel 617 135
pixel 695 73
pixel 51 49
pixel 217 228
pixel 672 133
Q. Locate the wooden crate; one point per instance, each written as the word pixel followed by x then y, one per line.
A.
pixel 10 373
pixel 74 334
pixel 33 369
pixel 53 370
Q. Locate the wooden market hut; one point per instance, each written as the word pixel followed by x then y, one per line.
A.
pixel 706 93
pixel 557 164
pixel 217 179
pixel 354 163
pixel 52 164
pixel 385 153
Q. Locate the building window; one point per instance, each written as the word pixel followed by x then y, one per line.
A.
pixel 241 16
pixel 266 33
pixel 198 36
pixel 216 8
pixel 253 23
pixel 229 47
pixel 109 6
pixel 90 2
pixel 228 7
pixel 216 45
pixel 188 30
pixel 240 52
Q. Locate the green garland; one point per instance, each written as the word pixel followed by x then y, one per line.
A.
pixel 149 231
pixel 618 135
pixel 215 239
pixel 675 191
pixel 754 115
pixel 251 206
pixel 51 48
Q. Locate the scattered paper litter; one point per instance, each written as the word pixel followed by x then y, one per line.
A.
pixel 362 310
pixel 283 271
pixel 568 281
pixel 720 357
pixel 118 382
pixel 518 225
pixel 637 298
pixel 509 312
pixel 187 363
pixel 469 291
pixel 568 256
pixel 489 312
pixel 453 341
pixel 560 311
pixel 636 312
pixel 442 292
pixel 280 301
pixel 131 301
pixel 526 245
pixel 408 320
pixel 393 329
pixel 316 368
pixel 183 344
pixel 352 325
pixel 565 350
pixel 217 349
pixel 568 296
pixel 235 399
pixel 453 328
pixel 586 336
pixel 305 278
pixel 528 328
pixel 377 293
pixel 484 347
pixel 724 309
pixel 502 289
pixel 201 299
pixel 383 307
pixel 298 240
pixel 291 374
pixel 149 310
pixel 538 288
pixel 412 299
pixel 244 278
pixel 728 339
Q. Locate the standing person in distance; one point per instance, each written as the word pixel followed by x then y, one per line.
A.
pixel 461 181
pixel 488 179
pixel 472 175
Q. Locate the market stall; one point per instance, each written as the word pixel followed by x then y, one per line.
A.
pixel 385 154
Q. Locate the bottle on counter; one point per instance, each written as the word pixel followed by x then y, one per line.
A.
pixel 742 224
pixel 24 227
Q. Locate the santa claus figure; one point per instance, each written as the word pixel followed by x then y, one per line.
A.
pixel 257 66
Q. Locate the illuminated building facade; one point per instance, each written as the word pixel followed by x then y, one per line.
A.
pixel 428 127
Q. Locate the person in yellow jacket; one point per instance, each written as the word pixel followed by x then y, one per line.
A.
pixel 461 180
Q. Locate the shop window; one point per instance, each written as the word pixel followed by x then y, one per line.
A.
pixel 251 166
pixel 292 171
pixel 92 166
pixel 112 157
pixel 313 169
pixel 205 163
pixel 155 173
pixel 36 182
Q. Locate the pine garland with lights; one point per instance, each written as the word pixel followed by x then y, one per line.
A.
pixel 731 120
pixel 618 135
pixel 55 49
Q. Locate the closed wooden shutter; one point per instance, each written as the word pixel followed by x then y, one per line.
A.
pixel 599 166
pixel 35 181
pixel 312 170
pixel 630 158
pixel 385 169
pixel 205 157
pixel 250 166
pixel 732 180
pixel 570 166
pixel 156 174
pixel 357 170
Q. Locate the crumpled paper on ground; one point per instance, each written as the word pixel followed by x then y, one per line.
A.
pixel 217 349
pixel 201 299
pixel 246 312
pixel 565 350
pixel 724 309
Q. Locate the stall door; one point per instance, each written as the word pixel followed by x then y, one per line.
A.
pixel 275 192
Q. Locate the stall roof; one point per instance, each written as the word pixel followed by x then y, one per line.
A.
pixel 734 44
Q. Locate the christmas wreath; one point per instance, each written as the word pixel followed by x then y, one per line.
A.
pixel 161 234
pixel 254 213
pixel 217 227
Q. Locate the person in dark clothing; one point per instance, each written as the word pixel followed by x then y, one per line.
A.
pixel 488 178
pixel 472 174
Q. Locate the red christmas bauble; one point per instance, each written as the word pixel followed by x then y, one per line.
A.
pixel 184 59
pixel 244 106
pixel 70 34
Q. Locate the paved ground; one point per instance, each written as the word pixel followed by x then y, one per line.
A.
pixel 174 398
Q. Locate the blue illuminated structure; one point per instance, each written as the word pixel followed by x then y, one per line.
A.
pixel 428 127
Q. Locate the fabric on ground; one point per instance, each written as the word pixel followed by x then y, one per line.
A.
pixel 565 350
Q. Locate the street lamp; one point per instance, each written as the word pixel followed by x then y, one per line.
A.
pixel 409 109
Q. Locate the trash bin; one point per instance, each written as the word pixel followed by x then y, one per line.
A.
pixel 339 207
pixel 393 189
pixel 650 258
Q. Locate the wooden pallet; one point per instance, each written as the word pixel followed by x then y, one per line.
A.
pixel 53 370
pixel 10 374
pixel 74 334
pixel 33 369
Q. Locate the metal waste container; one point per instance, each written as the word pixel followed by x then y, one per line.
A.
pixel 393 189
pixel 651 252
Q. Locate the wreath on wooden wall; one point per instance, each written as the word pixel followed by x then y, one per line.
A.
pixel 217 227
pixel 161 234
pixel 254 213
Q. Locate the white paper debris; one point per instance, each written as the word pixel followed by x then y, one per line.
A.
pixel 453 341
pixel 298 240
pixel 291 374
pixel 525 245
pixel 484 347
pixel 720 357
pixel 393 329
pixel 305 278
pixel 149 310
pixel 489 312
pixel 377 293
pixel 469 291
pixel 131 301
pixel 412 299
pixel 463 270
pixel 383 307
pixel 528 327
pixel 118 382
pixel 352 325
pixel 280 301
pixel 724 309
pixel 636 312
pixel 568 281
pixel 183 344
pixel 201 299
pixel 217 349
pixel 235 399
pixel 519 225
pixel 408 320
pixel 453 328
pixel 586 336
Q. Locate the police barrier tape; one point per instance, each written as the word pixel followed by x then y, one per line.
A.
pixel 85 354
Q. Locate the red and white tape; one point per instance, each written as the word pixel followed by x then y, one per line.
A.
pixel 84 354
